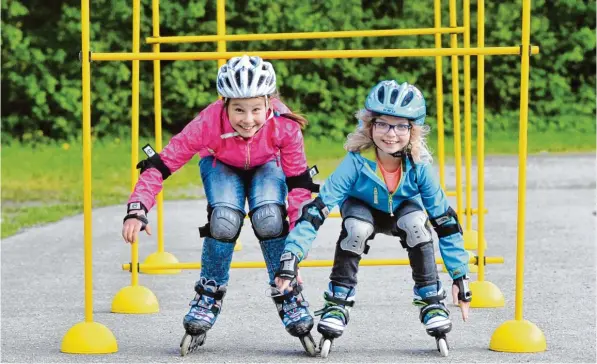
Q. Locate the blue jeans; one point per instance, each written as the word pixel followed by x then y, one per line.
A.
pixel 229 186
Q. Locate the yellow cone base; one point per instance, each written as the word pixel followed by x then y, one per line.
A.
pixel 486 295
pixel 471 239
pixel 161 258
pixel 472 268
pixel 89 338
pixel 518 336
pixel 238 246
pixel 135 299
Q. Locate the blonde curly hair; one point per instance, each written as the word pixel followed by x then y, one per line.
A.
pixel 361 139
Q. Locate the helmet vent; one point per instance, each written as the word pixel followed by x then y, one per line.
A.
pixel 250 75
pixel 228 82
pixel 237 77
pixel 381 93
pixel 408 98
pixel 260 81
pixel 393 96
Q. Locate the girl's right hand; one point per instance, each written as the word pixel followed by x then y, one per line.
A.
pixel 132 227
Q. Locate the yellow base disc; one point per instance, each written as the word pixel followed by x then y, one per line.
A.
pixel 518 336
pixel 238 246
pixel 160 258
pixel 486 295
pixel 89 338
pixel 135 299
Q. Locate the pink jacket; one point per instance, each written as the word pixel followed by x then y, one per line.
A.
pixel 279 138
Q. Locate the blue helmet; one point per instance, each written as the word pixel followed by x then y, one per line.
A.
pixel 390 98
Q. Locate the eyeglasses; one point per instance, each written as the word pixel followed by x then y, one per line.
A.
pixel 399 129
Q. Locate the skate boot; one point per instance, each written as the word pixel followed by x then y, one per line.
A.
pixel 294 312
pixel 434 314
pixel 205 308
pixel 334 315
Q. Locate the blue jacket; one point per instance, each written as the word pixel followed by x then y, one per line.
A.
pixel 358 176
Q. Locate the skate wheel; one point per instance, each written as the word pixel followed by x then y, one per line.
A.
pixel 185 344
pixel 326 346
pixel 308 344
pixel 190 343
pixel 442 346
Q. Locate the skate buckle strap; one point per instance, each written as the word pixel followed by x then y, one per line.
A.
pixel 218 295
pixel 329 309
pixel 282 297
pixel 431 307
pixel 337 300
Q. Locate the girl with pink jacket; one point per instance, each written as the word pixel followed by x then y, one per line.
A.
pixel 251 147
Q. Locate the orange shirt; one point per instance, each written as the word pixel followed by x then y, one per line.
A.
pixel 391 178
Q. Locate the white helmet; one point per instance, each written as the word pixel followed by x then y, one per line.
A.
pixel 246 77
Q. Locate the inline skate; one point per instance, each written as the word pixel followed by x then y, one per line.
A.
pixel 334 315
pixel 434 314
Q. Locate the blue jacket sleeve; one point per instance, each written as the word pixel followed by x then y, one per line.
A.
pixel 435 202
pixel 334 190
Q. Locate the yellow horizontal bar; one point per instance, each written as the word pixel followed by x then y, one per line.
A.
pixel 475 211
pixel 304 35
pixel 354 53
pixel 451 193
pixel 304 264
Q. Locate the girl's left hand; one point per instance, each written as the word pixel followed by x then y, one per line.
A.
pixel 464 306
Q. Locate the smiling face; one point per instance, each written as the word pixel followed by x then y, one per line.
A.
pixel 247 116
pixel 391 134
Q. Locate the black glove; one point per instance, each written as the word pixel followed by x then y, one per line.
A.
pixel 464 293
pixel 141 218
pixel 288 266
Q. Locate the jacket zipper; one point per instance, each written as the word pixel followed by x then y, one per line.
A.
pixel 391 195
pixel 248 161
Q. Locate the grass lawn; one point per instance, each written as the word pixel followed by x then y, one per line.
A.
pixel 43 184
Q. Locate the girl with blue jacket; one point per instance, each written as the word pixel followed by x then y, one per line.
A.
pixel 386 185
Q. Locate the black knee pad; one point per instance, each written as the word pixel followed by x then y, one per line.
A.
pixel 269 221
pixel 224 224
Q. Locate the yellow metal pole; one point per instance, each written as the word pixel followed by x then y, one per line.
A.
pixel 159 256
pixel 87 337
pixel 485 293
pixel 304 264
pixel 87 203
pixel 522 153
pixel 481 139
pixel 157 105
pixel 135 299
pixel 352 53
pixel 221 25
pixel 135 123
pixel 518 335
pixel 467 115
pixel 221 30
pixel 303 35
pixel 439 88
pixel 456 115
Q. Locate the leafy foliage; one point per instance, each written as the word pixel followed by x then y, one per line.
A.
pixel 41 77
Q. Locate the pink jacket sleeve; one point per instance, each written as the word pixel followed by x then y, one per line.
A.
pixel 181 148
pixel 294 162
